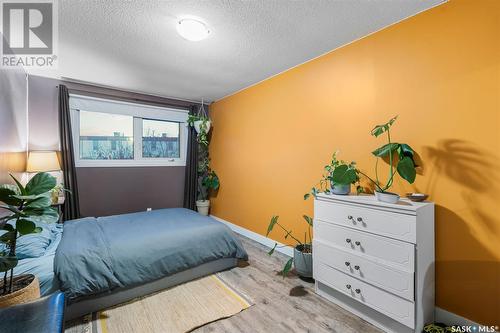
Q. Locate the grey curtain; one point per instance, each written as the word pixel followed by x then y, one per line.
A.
pixel 190 182
pixel 71 209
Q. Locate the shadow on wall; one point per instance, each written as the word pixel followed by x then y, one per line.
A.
pixel 459 278
pixel 470 232
pixel 474 170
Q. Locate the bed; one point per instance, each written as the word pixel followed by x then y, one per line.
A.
pixel 104 261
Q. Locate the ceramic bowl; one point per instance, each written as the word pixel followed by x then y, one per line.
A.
pixel 417 197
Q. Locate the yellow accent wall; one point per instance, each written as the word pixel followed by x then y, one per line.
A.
pixel 440 72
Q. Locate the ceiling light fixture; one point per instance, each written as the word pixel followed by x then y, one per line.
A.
pixel 192 29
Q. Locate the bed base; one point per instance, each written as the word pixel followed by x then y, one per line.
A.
pixel 117 296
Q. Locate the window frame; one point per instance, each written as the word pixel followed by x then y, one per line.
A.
pixel 138 112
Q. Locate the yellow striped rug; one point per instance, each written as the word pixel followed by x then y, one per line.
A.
pixel 176 310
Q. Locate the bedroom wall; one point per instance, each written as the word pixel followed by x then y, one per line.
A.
pixel 440 72
pixel 104 191
pixel 13 122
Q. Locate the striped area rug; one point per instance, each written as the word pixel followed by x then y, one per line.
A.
pixel 176 310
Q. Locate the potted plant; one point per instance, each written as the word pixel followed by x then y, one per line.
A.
pixel 302 251
pixel 207 179
pixel 337 178
pixel 400 159
pixel 22 202
pixel 202 125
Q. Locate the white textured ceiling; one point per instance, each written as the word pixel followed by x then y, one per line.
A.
pixel 134 44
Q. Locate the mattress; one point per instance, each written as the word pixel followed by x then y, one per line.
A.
pixel 99 255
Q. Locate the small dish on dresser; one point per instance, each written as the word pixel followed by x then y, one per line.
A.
pixel 417 197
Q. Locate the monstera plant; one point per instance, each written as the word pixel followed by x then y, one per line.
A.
pixel 302 251
pixel 400 157
pixel 21 203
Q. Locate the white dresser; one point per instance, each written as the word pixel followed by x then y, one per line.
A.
pixel 376 259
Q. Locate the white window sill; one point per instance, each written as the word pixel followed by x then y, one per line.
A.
pixel 128 163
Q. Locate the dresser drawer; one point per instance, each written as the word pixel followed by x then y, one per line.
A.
pixel 386 223
pixel 378 248
pixel 388 278
pixel 393 306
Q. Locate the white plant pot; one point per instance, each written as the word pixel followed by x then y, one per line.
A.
pixel 387 197
pixel 203 206
pixel 197 125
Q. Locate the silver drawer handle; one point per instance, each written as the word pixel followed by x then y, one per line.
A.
pixel 357 291
pixel 348 286
pixel 348 240
pixel 358 243
pixel 356 267
pixel 347 263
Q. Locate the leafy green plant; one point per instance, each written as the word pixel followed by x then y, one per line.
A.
pixel 208 181
pixel 400 157
pixel 202 136
pixel 337 172
pixel 304 247
pixel 22 202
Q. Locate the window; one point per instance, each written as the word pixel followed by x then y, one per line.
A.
pixel 106 136
pixel 115 133
pixel 160 139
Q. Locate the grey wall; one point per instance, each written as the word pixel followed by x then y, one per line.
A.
pixel 104 191
pixel 13 124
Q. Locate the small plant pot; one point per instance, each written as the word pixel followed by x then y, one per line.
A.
pixel 303 260
pixel 388 197
pixel 26 289
pixel 203 206
pixel 342 189
pixel 197 125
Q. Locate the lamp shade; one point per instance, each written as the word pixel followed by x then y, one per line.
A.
pixel 43 161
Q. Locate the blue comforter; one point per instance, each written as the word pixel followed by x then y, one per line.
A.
pixel 97 255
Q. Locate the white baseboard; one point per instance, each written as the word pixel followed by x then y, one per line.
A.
pixel 287 250
pixel 441 315
pixel 450 318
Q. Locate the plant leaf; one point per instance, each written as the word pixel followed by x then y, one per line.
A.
pixel 273 221
pixel 42 182
pixel 306 196
pixel 40 212
pixel 272 250
pixel 308 219
pixel 406 169
pixel 380 129
pixel 7 195
pixel 21 188
pixel 343 175
pixel 287 267
pixel 25 227
pixel 8 227
pixel 7 263
pixel 406 150
pixel 385 149
pixel 42 201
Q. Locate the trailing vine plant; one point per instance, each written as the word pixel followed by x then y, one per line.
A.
pixel 207 179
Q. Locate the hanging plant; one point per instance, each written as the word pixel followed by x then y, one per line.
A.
pixel 208 181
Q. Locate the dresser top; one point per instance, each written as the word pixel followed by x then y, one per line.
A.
pixel 403 204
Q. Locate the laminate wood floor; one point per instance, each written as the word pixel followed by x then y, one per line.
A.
pixel 275 309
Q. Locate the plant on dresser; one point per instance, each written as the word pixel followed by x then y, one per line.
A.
pixel 302 251
pixel 376 259
pixel 403 162
pixel 337 178
pixel 23 203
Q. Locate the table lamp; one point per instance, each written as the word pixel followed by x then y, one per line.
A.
pixel 43 161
